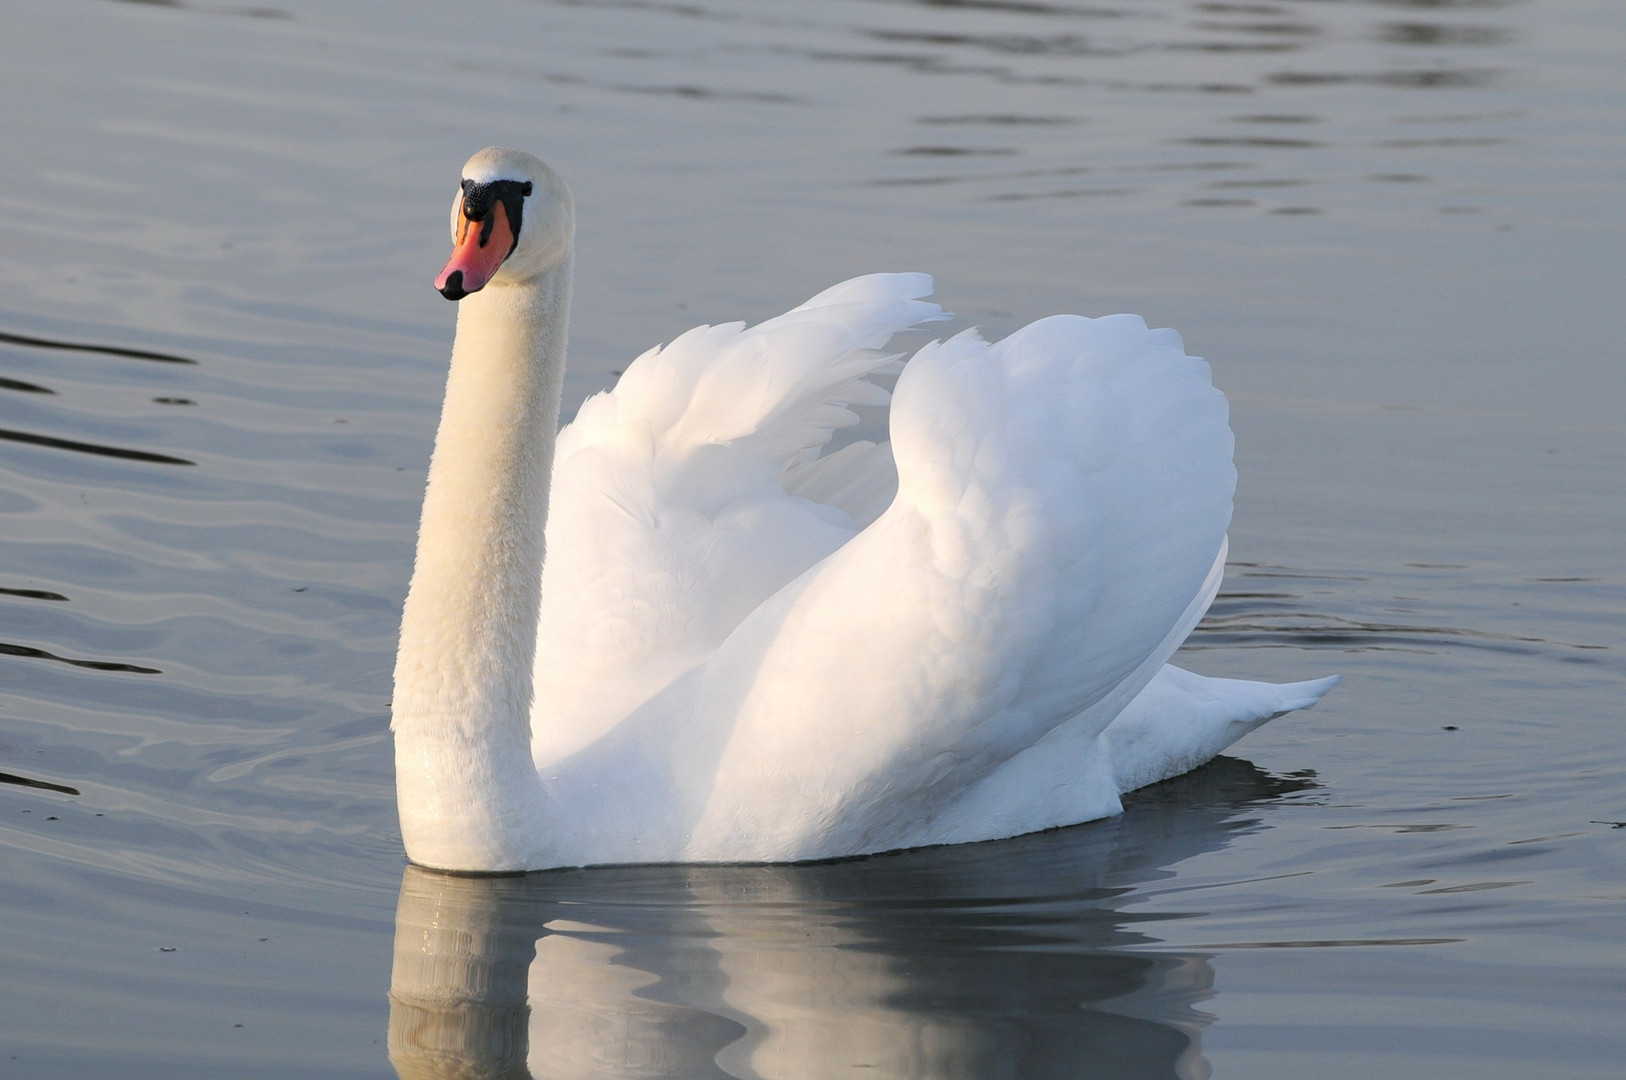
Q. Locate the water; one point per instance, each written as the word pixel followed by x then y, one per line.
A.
pixel 1394 228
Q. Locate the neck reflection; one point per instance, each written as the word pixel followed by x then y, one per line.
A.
pixel 1013 958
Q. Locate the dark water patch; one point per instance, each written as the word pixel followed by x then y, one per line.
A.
pixel 1436 827
pixel 931 64
pixel 1247 630
pixel 91 448
pixel 1257 142
pixel 1256 570
pixel 1242 9
pixel 24 387
pixel 707 93
pixel 1328 943
pixel 955 151
pixel 1436 35
pixel 922 181
pixel 1190 166
pixel 31 653
pixel 1225 781
pixel 80 346
pixel 1295 29
pixel 33 594
pixel 1012 44
pixel 1478 886
pixel 1261 617
pixel 688 11
pixel 1430 79
pixel 1235 46
pixel 1448 5
pixel 30 782
pixel 1020 7
pixel 1185 88
pixel 997 120
pixel 173 401
pixel 689 91
pixel 248 12
pixel 1218 202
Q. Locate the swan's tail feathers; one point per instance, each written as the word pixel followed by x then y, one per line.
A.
pixel 1182 720
pixel 1301 695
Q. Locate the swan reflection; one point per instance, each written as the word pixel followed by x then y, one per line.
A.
pixel 1013 959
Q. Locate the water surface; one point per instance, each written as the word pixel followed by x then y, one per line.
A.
pixel 1392 225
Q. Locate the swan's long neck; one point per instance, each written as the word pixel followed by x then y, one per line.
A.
pixel 469 795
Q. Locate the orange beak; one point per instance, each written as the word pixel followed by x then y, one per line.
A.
pixel 479 250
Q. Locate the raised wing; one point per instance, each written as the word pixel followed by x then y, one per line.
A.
pixel 670 519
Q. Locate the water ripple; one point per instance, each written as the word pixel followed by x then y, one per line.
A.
pixel 96 449
pixel 28 651
pixel 30 782
pixel 106 350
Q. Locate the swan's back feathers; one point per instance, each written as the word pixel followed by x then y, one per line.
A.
pixel 670 517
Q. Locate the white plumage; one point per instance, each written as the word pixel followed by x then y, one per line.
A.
pixel 747 649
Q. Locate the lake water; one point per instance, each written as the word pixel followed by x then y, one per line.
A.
pixel 1394 227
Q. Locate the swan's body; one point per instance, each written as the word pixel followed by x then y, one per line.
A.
pixel 744 650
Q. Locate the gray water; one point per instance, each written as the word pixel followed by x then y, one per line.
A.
pixel 1394 227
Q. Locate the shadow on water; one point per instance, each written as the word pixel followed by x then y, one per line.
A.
pixel 1014 958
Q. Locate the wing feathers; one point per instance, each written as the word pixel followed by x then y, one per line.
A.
pixel 672 516
pixel 892 643
pixel 1061 497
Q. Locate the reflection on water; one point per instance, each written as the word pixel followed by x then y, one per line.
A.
pixel 1010 959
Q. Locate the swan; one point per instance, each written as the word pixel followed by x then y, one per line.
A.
pixel 743 648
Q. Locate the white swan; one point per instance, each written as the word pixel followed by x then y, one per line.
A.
pixel 748 650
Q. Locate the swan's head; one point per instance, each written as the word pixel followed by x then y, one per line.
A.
pixel 512 220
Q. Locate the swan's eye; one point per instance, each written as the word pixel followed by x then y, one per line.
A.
pixel 476 200
pixel 479 199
